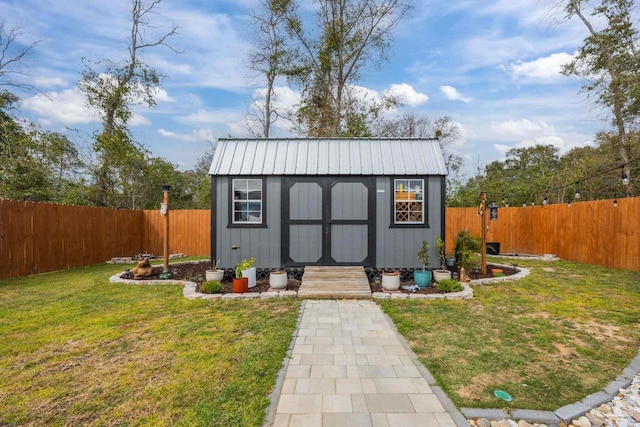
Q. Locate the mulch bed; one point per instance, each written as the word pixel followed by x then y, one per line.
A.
pixel 195 272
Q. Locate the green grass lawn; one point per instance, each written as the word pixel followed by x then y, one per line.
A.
pixel 549 339
pixel 77 350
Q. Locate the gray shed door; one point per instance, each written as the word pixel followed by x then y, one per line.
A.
pixel 328 221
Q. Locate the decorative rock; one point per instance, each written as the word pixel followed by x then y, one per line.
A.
pixel 523 423
pixel 503 423
pixel 512 423
pixel 635 415
pixel 605 409
pixel 582 422
pixel 483 422
pixel 494 424
pixel 595 419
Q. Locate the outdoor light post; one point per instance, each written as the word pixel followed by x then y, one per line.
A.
pixel 493 215
pixel 164 210
pixel 483 244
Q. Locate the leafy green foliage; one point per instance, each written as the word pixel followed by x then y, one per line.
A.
pixel 212 287
pixel 423 254
pixel 466 249
pixel 449 285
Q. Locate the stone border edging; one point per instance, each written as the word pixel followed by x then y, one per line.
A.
pixel 524 272
pixel 466 293
pixel 189 290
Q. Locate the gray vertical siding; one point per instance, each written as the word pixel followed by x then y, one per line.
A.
pixel 398 247
pixel 262 243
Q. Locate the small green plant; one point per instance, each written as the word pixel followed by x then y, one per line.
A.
pixel 244 265
pixel 449 285
pixel 212 287
pixel 423 254
pixel 498 274
pixel 442 253
pixel 466 248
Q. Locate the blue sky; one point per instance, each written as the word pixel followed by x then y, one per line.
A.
pixel 491 66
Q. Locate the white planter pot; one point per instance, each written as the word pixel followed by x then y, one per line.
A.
pixel 278 280
pixel 441 275
pixel 251 275
pixel 216 275
pixel 391 282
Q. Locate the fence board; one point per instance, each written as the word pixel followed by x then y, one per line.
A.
pixel 40 237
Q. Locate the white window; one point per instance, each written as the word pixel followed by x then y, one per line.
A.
pixel 408 201
pixel 247 201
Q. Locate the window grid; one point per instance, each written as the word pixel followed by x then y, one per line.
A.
pixel 247 201
pixel 409 201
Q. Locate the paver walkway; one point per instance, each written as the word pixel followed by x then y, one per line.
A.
pixel 348 367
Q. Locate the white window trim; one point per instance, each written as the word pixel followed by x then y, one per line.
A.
pixel 233 203
pixel 395 221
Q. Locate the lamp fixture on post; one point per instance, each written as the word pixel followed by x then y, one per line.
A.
pixel 483 211
pixel 164 210
pixel 625 179
pixel 493 211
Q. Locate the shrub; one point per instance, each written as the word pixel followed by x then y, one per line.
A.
pixel 449 285
pixel 212 287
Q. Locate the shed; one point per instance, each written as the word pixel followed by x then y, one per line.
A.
pixel 295 202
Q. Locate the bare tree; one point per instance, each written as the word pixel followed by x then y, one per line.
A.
pixel 351 34
pixel 115 88
pixel 270 56
pixel 11 54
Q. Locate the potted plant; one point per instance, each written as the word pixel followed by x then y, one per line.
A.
pixel 278 279
pixel 442 273
pixel 214 275
pixel 240 283
pixel 423 277
pixel 391 281
pixel 249 271
pixel 450 260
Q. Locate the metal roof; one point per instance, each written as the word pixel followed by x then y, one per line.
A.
pixel 328 156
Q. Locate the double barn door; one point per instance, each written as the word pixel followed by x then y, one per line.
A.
pixel 328 221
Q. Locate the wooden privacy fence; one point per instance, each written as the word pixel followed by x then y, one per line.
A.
pixel 593 232
pixel 42 237
pixel 39 237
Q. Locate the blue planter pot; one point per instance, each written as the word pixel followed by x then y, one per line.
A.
pixel 422 278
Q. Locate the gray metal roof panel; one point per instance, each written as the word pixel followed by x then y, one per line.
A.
pixel 328 156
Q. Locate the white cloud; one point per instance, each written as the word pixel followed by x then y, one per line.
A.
pixel 452 93
pixel 546 68
pixel 66 107
pixel 196 135
pixel 521 128
pixel 407 95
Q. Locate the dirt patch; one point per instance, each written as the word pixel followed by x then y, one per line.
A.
pixel 476 389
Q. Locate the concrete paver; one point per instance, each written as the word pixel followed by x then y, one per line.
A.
pixel 349 367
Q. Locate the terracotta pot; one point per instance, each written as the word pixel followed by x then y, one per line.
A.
pixel 240 286
pixel 496 270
